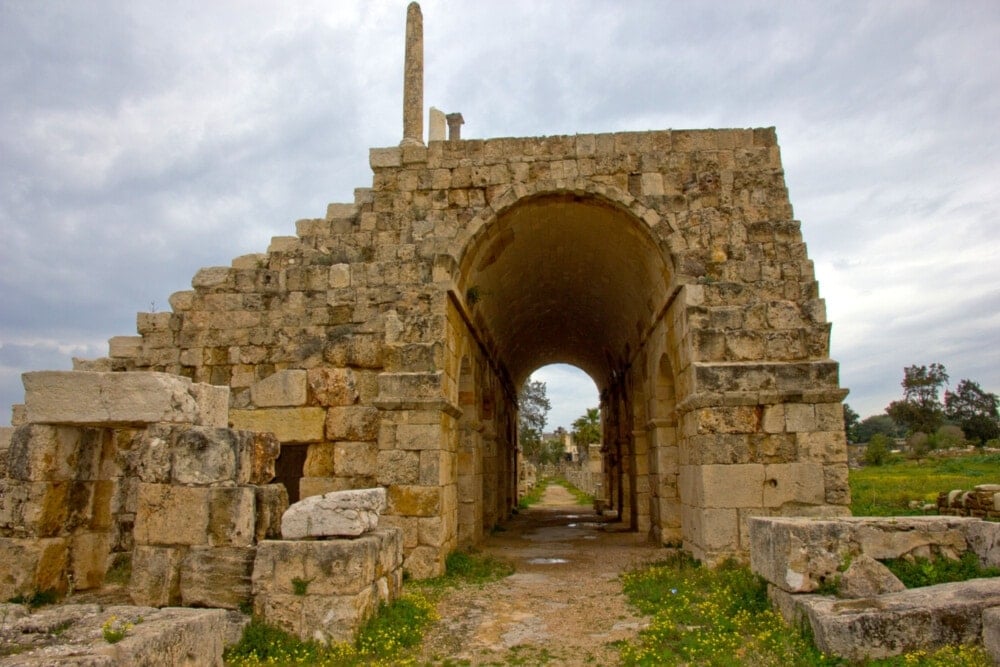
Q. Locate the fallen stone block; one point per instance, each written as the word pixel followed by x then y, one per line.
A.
pixel 895 623
pixel 799 554
pixel 85 398
pixel 866 577
pixel 335 514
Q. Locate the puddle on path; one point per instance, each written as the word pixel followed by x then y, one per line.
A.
pixel 547 561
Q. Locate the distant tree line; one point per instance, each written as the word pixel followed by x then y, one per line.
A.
pixel 929 415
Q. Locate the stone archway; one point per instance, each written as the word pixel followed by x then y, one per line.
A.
pixel 393 333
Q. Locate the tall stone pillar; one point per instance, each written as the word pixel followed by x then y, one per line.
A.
pixel 413 78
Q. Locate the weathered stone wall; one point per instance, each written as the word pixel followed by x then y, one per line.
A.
pixel 982 502
pixel 350 338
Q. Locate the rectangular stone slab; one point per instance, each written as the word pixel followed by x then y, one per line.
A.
pixel 92 398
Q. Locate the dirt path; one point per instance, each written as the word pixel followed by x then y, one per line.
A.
pixel 563 605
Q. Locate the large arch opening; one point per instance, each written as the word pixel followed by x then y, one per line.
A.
pixel 572 279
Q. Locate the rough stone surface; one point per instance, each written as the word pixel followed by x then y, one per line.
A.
pixel 920 618
pixel 991 633
pixel 71 635
pixel 217 577
pixel 799 555
pixel 81 398
pixel 866 577
pixel 271 504
pixel 324 590
pixel 335 514
pixel 283 389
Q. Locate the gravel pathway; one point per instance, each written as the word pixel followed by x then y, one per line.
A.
pixel 564 603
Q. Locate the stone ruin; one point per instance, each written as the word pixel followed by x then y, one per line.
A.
pixel 873 615
pixel 382 347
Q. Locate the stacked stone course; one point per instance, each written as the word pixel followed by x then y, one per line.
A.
pixel 982 502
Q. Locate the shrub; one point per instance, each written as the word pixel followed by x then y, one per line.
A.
pixel 919 572
pixel 877 452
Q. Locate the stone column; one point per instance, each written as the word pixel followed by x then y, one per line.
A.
pixel 455 122
pixel 413 78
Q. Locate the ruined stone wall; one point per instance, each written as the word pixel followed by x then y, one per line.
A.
pixel 348 339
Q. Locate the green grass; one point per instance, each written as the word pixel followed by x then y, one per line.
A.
pixel 466 567
pixel 887 490
pixel 534 496
pixel 385 639
pixel 921 572
pixel 722 617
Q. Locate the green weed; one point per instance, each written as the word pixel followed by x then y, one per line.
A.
pixel 36 599
pixel 919 572
pixel 467 567
pixel 534 496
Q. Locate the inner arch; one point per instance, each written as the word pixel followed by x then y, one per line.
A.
pixel 564 279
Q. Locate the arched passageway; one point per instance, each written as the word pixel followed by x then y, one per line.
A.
pixel 562 278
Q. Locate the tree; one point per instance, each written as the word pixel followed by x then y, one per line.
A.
pixel 587 430
pixel 921 409
pixel 533 408
pixel 875 424
pixel 851 419
pixel 974 410
pixel 877 452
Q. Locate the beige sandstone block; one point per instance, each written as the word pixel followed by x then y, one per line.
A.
pixel 89 559
pixel 31 565
pixel 331 567
pixel 172 515
pixel 333 386
pixel 287 424
pixel 352 423
pixel 419 436
pixel 218 577
pixel 397 467
pixel 232 518
pixel 415 500
pixel 282 389
pixel 124 347
pixel 156 577
pixel 88 398
pixel 271 501
pixel 317 486
pixel 794 483
pixel 424 562
pixel 320 458
pixel 356 459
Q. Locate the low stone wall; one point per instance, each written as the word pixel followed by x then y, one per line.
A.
pixel 982 502
pixel 325 590
pixel 873 616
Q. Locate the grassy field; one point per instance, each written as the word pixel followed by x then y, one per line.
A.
pixel 887 490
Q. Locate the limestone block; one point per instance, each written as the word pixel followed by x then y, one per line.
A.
pixel 333 386
pixel 866 577
pixel 155 577
pixel 282 389
pixel 407 500
pixel 256 456
pixel 287 424
pixel 212 404
pixel 326 567
pixel 322 618
pixel 31 565
pixel 356 459
pixel 271 503
pixel 335 514
pixel 124 347
pixel 232 519
pixel 406 387
pixel 91 398
pixel 214 276
pixel 354 422
pixel 911 620
pixel 192 637
pixel 424 562
pixel 44 509
pixel 395 466
pixel 799 554
pixel 317 486
pixel 722 485
pixel 89 559
pixel 793 483
pixel 217 577
pixel 53 453
pixel 419 436
pixel 172 515
pixel 991 633
pixel 203 456
pixel 319 460
pixel 983 538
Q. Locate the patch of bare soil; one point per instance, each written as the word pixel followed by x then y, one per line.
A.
pixel 564 603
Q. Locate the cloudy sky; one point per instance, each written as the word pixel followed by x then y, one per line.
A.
pixel 140 141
